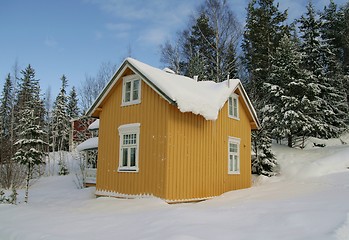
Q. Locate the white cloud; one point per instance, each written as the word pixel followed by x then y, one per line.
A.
pixel 148 21
pixel 154 36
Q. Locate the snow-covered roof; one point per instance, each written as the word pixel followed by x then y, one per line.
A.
pixel 89 144
pixel 205 98
pixel 94 125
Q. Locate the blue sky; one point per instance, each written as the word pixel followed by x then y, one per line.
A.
pixel 73 37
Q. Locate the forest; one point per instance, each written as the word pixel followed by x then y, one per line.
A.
pixel 296 72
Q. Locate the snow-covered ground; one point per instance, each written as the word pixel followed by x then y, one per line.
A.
pixel 308 200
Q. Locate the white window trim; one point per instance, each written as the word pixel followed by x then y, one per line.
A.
pixel 131 78
pixel 234 96
pixel 133 128
pixel 235 141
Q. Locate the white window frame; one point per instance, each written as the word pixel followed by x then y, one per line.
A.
pixel 233 111
pixel 131 79
pixel 129 129
pixel 234 156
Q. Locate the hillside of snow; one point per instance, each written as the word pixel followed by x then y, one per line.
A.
pixel 308 200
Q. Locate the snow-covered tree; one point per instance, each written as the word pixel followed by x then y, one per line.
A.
pixel 6 107
pixel 265 26
pixel 73 108
pixel 30 144
pixel 60 120
pixel 263 159
pixel 287 113
pixel 319 60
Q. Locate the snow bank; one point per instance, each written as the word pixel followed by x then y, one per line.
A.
pixel 343 232
pixel 205 98
pixel 297 163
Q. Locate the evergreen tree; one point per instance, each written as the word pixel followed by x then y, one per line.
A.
pixel 263 30
pixel 29 91
pixel 60 119
pixel 73 108
pixel 6 108
pixel 287 112
pixel 322 69
pixel 7 171
pixel 263 160
pixel 30 142
pixel 198 50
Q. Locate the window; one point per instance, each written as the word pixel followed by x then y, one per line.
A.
pixel 129 147
pixel 233 106
pixel 233 155
pixel 131 90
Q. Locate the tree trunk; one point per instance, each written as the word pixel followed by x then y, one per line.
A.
pixel 289 140
pixel 27 184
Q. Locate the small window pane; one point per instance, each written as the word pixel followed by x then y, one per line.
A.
pixel 235 111
pixel 133 157
pixel 236 163
pixel 124 157
pixel 127 91
pixel 230 105
pixel 135 90
pixel 231 163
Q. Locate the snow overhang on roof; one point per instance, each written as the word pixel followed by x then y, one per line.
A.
pixel 205 98
pixel 89 144
pixel 94 125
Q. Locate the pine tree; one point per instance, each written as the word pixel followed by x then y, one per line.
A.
pixel 6 108
pixel 287 112
pixel 335 93
pixel 60 120
pixel 320 63
pixel 263 30
pixel 263 161
pixel 73 108
pixel 30 143
pixel 199 51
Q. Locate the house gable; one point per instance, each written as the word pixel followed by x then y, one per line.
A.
pixel 204 98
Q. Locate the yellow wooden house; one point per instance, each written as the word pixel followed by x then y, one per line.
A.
pixel 170 136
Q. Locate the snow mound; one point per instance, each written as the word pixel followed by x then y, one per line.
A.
pixel 298 163
pixel 338 162
pixel 343 232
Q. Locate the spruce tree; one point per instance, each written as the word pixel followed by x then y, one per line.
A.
pixel 73 108
pixel 6 108
pixel 263 30
pixel 321 65
pixel 287 112
pixel 60 119
pixel 199 50
pixel 30 142
pixel 29 125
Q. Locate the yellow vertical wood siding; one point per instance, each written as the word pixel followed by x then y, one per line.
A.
pixel 182 156
pixel 151 113
pixel 198 154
